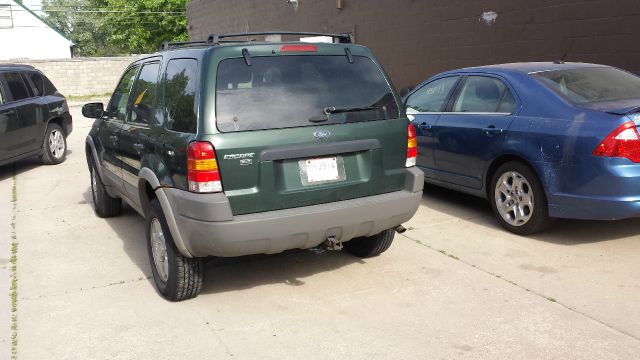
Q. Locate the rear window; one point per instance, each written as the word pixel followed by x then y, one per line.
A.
pixel 292 91
pixel 592 84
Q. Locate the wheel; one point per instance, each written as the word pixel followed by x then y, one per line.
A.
pixel 370 246
pixel 54 146
pixel 177 277
pixel 104 205
pixel 518 199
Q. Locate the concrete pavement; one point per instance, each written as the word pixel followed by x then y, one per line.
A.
pixel 453 286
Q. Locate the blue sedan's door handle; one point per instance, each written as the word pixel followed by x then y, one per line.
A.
pixel 425 126
pixel 492 130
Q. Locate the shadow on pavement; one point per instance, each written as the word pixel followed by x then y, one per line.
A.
pixel 229 274
pixel 564 232
pixel 24 165
pixel 20 166
pixel 290 268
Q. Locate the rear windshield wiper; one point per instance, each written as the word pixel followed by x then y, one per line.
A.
pixel 335 110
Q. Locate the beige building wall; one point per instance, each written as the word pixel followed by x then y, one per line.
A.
pixel 82 76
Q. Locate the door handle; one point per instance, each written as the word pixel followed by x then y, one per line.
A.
pixel 492 130
pixel 139 147
pixel 425 126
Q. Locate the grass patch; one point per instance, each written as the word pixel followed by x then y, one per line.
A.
pixel 13 291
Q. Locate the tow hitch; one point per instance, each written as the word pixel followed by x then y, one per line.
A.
pixel 332 244
pixel 400 229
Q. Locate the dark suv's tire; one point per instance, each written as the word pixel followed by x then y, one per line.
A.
pixel 177 277
pixel 370 246
pixel 104 205
pixel 54 145
pixel 518 199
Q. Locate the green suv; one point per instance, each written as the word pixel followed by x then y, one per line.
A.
pixel 232 146
pixel 34 116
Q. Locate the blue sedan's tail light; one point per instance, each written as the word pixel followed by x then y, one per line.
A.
pixel 623 142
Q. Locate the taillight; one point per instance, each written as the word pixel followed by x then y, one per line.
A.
pixel 202 168
pixel 412 146
pixel 622 142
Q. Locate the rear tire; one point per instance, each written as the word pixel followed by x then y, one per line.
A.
pixel 177 277
pixel 54 145
pixel 104 205
pixel 370 246
pixel 518 199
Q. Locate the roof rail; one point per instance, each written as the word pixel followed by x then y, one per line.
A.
pixel 216 39
pixel 168 45
pixel 12 65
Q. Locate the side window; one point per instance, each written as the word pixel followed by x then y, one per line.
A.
pixel 16 85
pixel 144 94
pixel 432 96
pixel 2 98
pixel 49 89
pixel 180 94
pixel 485 95
pixel 38 84
pixel 119 104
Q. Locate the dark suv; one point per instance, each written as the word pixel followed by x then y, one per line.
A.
pixel 236 147
pixel 34 117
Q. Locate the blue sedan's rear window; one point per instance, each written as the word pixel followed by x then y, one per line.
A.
pixel 591 84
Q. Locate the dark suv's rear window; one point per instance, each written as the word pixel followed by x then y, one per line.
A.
pixel 291 91
pixel 591 84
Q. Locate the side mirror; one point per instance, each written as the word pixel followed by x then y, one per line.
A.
pixel 93 110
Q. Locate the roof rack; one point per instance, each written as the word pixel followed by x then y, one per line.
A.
pixel 216 39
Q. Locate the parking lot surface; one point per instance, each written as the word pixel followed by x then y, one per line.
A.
pixel 453 286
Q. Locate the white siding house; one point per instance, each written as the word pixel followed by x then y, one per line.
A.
pixel 25 35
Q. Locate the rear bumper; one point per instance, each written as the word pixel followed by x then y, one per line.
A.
pixel 204 225
pixel 68 124
pixel 594 208
pixel 606 189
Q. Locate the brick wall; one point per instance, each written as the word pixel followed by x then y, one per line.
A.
pixel 415 39
pixel 82 76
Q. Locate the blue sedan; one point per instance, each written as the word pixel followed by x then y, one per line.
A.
pixel 539 140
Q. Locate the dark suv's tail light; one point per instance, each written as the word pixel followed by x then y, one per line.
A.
pixel 412 146
pixel 202 168
pixel 622 142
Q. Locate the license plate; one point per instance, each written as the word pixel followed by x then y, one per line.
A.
pixel 320 170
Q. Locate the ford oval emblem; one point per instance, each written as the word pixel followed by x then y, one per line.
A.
pixel 322 134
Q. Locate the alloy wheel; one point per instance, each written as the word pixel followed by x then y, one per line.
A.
pixel 56 143
pixel 159 250
pixel 514 198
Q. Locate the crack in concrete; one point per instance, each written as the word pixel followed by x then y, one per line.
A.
pixel 550 299
pixel 215 334
pixel 73 292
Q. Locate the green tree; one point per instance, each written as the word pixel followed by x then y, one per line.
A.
pixel 116 27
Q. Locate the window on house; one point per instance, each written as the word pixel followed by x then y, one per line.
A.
pixel 6 20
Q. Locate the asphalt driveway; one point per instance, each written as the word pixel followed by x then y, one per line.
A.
pixel 453 286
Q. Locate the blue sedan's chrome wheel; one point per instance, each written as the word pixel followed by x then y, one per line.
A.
pixel 514 198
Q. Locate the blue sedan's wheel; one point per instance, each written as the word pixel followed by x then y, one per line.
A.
pixel 514 198
pixel 518 199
